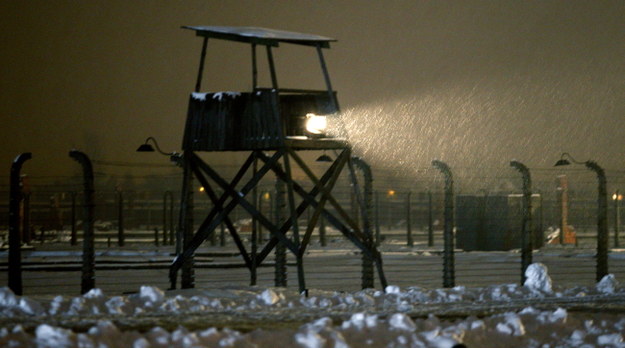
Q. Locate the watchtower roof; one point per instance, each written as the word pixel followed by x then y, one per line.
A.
pixel 262 36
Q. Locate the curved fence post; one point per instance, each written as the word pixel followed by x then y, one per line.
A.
pixel 617 216
pixel 409 239
pixel 73 239
pixel 378 238
pixel 120 218
pixel 88 253
pixel 15 240
pixel 448 232
pixel 602 220
pixel 25 208
pixel 430 220
pixel 526 225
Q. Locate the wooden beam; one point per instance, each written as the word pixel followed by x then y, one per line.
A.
pixel 213 197
pixel 300 209
pixel 239 200
pixel 344 215
pixel 320 207
pixel 355 236
pixel 209 224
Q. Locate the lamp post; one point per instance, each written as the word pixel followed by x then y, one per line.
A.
pixel 146 147
pixel 602 211
pixel 617 197
pixel 185 220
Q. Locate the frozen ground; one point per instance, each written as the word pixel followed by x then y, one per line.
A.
pixel 537 314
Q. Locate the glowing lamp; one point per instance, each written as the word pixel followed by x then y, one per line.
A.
pixel 316 124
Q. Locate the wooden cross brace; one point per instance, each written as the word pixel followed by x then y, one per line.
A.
pixel 220 211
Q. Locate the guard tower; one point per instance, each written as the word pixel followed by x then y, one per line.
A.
pixel 273 124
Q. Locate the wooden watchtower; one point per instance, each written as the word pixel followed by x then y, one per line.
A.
pixel 271 124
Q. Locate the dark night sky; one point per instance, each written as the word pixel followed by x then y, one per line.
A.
pixel 101 76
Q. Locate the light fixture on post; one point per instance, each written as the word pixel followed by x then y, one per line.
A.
pixel 176 158
pixel 617 197
pixel 564 162
pixel 324 158
pixel 146 147
pixel 602 212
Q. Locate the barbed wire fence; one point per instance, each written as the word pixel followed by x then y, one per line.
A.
pixel 408 212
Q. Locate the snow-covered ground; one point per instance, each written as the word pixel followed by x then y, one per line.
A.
pixel 533 315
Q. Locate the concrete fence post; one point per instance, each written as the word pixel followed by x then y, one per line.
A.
pixel 526 224
pixel 15 239
pixel 448 232
pixel 88 253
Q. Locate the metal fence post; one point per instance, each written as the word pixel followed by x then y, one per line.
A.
pixel 15 240
pixel 409 239
pixel 560 192
pixel 389 211
pixel 73 237
pixel 602 220
pixel 448 232
pixel 430 220
pixel 26 232
pixel 526 224
pixel 378 238
pixel 617 216
pixel 88 254
pixel 120 218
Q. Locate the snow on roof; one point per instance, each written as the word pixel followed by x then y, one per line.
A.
pixel 259 35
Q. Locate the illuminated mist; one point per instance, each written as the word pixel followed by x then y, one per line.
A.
pixel 484 124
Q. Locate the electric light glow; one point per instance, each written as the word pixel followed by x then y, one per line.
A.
pixel 316 124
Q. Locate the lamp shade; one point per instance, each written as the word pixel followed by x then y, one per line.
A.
pixel 562 162
pixel 324 158
pixel 145 148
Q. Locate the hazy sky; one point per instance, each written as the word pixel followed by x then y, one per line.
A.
pixel 457 80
